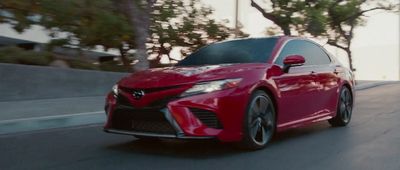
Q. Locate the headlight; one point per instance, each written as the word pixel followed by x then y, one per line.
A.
pixel 115 89
pixel 206 87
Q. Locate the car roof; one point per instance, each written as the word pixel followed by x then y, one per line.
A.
pixel 279 37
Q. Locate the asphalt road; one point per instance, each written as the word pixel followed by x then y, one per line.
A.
pixel 371 141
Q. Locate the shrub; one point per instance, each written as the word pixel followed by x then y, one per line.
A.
pixel 17 55
pixel 9 54
pixel 113 66
pixel 35 58
pixel 20 56
pixel 81 64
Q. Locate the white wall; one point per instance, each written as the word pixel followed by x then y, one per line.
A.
pixel 35 33
pixel 39 34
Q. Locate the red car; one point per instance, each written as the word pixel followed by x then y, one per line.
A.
pixel 235 91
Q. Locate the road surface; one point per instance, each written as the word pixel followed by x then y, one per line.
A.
pixel 371 141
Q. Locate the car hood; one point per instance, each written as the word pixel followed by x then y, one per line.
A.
pixel 173 76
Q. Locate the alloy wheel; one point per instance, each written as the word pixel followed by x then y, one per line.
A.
pixel 261 120
pixel 346 105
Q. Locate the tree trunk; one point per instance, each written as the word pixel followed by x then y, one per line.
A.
pixel 346 49
pixel 123 56
pixel 139 17
pixel 270 16
pixel 286 31
pixel 350 58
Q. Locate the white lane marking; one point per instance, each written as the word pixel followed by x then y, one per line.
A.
pixel 51 117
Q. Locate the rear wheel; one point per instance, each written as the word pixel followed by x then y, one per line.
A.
pixel 344 108
pixel 259 122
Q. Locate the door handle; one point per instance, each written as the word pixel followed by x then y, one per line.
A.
pixel 313 73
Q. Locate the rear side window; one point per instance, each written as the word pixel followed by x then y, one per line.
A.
pixel 313 54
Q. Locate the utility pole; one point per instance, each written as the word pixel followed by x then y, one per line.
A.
pixel 237 18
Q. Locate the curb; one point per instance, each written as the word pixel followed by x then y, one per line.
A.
pixel 50 122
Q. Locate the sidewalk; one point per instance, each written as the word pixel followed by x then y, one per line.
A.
pixel 365 84
pixel 22 116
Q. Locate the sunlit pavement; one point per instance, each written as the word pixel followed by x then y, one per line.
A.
pixel 371 141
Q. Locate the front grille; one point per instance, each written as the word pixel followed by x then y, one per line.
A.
pixel 162 102
pixel 207 117
pixel 157 103
pixel 122 100
pixel 147 90
pixel 141 120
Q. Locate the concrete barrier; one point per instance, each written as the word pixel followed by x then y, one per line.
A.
pixel 23 82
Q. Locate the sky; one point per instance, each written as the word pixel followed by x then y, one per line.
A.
pixel 375 46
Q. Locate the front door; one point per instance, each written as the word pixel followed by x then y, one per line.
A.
pixel 297 89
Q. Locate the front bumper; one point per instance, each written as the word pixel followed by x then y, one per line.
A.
pixel 178 133
pixel 190 117
pixel 156 135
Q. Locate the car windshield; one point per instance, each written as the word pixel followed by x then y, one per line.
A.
pixel 237 51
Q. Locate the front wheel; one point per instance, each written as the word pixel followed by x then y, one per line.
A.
pixel 344 108
pixel 259 122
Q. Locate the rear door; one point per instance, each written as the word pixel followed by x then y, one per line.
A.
pixel 327 79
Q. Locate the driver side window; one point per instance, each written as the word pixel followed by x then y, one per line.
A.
pixel 293 47
pixel 312 53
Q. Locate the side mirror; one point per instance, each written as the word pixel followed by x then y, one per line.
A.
pixel 292 61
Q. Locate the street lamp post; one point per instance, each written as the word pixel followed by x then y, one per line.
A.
pixel 237 18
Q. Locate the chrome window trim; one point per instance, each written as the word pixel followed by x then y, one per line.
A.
pixel 284 44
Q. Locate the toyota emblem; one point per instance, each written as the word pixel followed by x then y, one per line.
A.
pixel 137 94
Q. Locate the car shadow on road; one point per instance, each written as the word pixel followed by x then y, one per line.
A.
pixel 206 149
pixel 177 148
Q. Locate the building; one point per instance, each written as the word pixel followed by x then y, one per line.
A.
pixel 24 44
pixel 59 52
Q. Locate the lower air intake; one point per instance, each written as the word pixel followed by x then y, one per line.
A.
pixel 208 118
pixel 141 120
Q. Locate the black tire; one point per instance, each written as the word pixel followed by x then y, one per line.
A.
pixel 259 122
pixel 344 108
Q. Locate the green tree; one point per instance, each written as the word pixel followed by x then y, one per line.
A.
pixel 164 24
pixel 333 21
pixel 148 26
pixel 81 23
pixel 343 17
pixel 286 14
pixel 184 24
